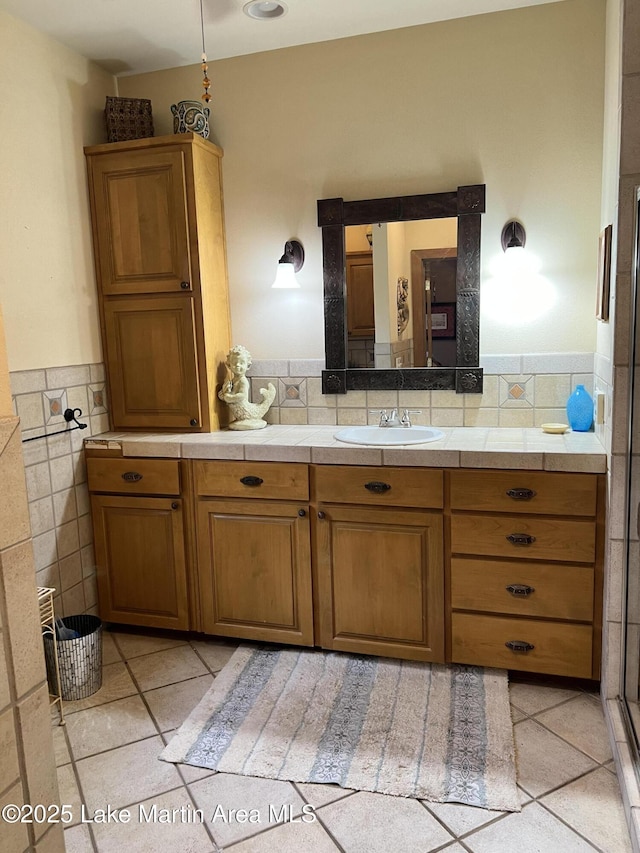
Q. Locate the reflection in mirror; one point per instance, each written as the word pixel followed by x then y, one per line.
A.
pixel 401 304
pixel 401 293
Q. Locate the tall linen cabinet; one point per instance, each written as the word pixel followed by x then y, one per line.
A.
pixel 160 258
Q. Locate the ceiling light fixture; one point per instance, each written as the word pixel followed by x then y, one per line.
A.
pixel 264 11
pixel 206 83
pixel 289 264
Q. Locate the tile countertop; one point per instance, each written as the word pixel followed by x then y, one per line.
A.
pixel 460 447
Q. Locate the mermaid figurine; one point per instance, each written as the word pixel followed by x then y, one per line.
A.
pixel 235 393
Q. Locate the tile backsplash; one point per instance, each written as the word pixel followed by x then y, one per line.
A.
pixel 519 391
pixel 56 479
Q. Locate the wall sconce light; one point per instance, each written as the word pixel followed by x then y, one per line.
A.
pixel 369 235
pixel 289 264
pixel 516 294
pixel 513 236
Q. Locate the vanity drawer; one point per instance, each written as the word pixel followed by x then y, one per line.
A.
pixel 524 491
pixel 550 590
pixel 542 538
pixel 411 487
pixel 134 476
pixel 284 480
pixel 559 648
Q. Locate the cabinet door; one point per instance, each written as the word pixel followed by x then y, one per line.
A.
pixel 140 557
pixel 255 570
pixel 360 310
pixel 152 362
pixel 380 582
pixel 140 221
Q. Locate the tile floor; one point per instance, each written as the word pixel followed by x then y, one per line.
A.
pixel 107 755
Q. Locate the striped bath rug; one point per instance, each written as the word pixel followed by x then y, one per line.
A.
pixel 434 732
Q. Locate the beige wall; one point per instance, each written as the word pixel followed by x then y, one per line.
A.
pixel 53 102
pixel 512 99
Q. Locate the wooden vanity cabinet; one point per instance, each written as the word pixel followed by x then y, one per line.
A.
pixel 379 560
pixel 159 246
pixel 526 570
pixel 254 550
pixel 138 529
pixel 487 568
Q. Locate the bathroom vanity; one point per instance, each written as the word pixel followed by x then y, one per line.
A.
pixel 436 554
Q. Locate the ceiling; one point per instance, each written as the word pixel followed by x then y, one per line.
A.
pixel 134 36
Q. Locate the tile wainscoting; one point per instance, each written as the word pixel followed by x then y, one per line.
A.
pixel 56 479
pixel 519 391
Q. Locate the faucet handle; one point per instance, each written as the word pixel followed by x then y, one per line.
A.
pixel 406 416
pixel 384 417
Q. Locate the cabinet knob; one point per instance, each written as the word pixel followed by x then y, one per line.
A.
pixel 193 422
pixel 520 646
pixel 377 487
pixel 521 494
pixel 175 505
pixel 520 539
pixel 520 590
pixel 185 285
pixel 302 513
pixel 321 514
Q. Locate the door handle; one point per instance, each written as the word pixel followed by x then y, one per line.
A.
pixel 519 646
pixel 521 494
pixel 251 481
pixel 520 590
pixel 520 539
pixel 377 487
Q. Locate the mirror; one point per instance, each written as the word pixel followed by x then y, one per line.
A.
pixel 401 287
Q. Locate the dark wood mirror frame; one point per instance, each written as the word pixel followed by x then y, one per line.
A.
pixel 467 204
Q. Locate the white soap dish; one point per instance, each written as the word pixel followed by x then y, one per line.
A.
pixel 556 429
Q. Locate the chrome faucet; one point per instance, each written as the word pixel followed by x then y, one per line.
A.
pixel 392 420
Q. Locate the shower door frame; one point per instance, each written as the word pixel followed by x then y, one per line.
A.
pixel 629 699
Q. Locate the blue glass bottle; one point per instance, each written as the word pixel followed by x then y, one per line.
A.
pixel 580 409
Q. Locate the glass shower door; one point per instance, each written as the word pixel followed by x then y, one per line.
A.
pixel 631 601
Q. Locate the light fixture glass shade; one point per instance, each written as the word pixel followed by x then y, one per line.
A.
pixel 285 276
pixel 516 258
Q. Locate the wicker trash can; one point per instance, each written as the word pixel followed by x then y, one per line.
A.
pixel 79 659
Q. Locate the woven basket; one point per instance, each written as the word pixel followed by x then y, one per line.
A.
pixel 128 118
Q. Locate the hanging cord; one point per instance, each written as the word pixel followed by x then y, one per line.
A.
pixel 206 83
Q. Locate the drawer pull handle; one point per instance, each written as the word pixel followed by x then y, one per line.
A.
pixel 175 505
pixel 377 487
pixel 251 481
pixel 321 514
pixel 521 539
pixel 520 590
pixel 185 285
pixel 521 494
pixel 131 476
pixel 520 646
pixel 302 513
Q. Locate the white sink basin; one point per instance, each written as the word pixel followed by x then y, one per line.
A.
pixel 388 436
